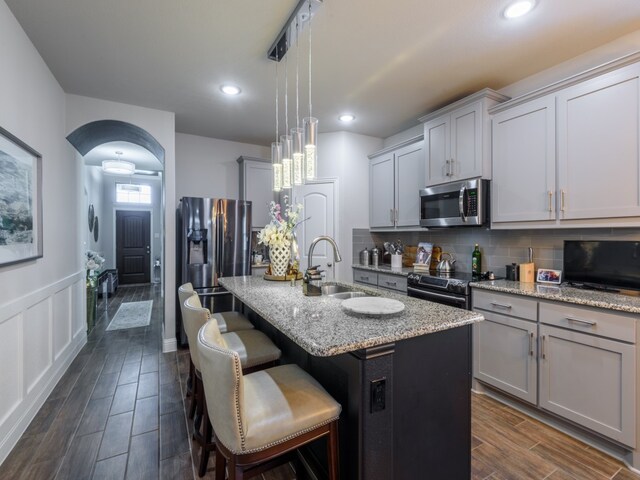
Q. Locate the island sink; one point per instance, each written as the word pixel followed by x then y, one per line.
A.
pixel 342 292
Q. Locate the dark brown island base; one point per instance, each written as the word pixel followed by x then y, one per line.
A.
pixel 404 380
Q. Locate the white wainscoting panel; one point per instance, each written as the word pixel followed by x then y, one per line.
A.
pixel 62 320
pixel 36 348
pixel 11 371
pixel 37 342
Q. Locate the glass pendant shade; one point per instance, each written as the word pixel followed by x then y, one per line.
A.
pixel 297 142
pixel 276 163
pixel 310 147
pixel 287 161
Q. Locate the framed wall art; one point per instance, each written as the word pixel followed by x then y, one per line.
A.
pixel 20 201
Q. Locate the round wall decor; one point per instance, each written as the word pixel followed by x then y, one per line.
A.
pixel 91 216
pixel 95 228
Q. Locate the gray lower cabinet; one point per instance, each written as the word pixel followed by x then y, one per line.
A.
pixel 365 276
pixel 505 355
pixel 504 345
pixel 396 283
pixel 574 361
pixel 588 368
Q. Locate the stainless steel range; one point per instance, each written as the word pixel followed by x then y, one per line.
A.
pixel 449 289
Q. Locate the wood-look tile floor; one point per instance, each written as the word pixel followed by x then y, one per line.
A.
pixel 119 413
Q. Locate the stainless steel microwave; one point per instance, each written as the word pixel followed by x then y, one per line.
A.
pixel 464 203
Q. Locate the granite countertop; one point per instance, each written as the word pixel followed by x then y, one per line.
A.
pixel 563 293
pixel 386 268
pixel 321 327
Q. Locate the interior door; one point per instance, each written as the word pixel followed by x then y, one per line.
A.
pixel 318 200
pixel 133 244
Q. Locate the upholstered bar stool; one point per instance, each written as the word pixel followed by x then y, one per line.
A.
pixel 227 321
pixel 262 418
pixel 254 349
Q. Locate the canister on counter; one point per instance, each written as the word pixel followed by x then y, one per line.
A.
pixel 364 257
pixel 375 256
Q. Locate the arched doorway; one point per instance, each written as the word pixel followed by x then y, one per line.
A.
pixel 97 141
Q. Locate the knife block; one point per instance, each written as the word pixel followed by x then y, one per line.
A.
pixel 527 273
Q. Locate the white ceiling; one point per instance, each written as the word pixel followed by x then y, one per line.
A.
pixel 386 62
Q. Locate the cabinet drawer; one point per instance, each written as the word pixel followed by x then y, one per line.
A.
pixel 506 304
pixel 363 276
pixel 392 282
pixel 618 326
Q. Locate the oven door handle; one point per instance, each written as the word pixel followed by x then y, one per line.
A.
pixel 436 296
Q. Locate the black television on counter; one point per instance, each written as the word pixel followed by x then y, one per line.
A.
pixel 602 263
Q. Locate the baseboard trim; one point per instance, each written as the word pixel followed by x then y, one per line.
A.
pixel 35 403
pixel 169 345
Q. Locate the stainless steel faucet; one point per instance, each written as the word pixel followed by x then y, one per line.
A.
pixel 336 253
pixel 312 280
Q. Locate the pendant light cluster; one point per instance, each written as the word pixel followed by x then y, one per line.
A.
pixel 294 154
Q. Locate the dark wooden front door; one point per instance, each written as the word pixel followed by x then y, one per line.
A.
pixel 133 244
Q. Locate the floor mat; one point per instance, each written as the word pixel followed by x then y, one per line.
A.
pixel 131 315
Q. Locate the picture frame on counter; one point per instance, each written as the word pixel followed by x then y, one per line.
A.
pixel 547 275
pixel 20 201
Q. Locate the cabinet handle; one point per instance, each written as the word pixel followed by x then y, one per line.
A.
pixel 591 323
pixel 550 199
pixel 531 344
pixel 447 171
pixel 395 216
pixel 364 278
pixel 562 200
pixel 451 168
pixel 391 215
pixel 544 354
pixel 392 284
pixel 501 305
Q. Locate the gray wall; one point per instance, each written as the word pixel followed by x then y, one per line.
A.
pixel 498 247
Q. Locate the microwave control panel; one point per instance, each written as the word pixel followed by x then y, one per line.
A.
pixel 472 202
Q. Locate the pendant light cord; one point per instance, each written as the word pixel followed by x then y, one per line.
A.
pixel 309 20
pixel 297 74
pixel 277 100
pixel 286 93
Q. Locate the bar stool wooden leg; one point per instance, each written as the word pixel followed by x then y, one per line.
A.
pixel 194 393
pixel 221 466
pixel 332 451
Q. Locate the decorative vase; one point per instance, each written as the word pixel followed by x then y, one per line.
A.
pixel 92 299
pixel 279 257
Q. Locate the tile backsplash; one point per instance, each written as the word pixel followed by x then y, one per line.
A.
pixel 498 247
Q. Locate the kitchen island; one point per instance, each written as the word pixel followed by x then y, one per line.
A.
pixel 403 380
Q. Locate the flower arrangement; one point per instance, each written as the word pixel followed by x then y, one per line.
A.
pixel 279 232
pixel 93 261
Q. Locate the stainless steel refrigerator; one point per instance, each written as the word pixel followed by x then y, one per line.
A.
pixel 213 241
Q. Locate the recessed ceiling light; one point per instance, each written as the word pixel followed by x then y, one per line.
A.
pixel 346 118
pixel 519 8
pixel 230 89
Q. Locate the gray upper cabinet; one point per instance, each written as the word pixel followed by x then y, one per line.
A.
pixel 524 162
pixel 256 182
pixel 569 155
pixel 456 139
pixel 395 178
pixel 381 191
pixel 598 139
